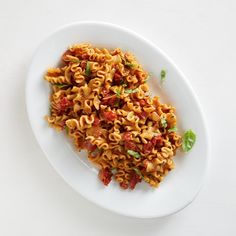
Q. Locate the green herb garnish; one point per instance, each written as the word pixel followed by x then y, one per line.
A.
pixel 134 154
pixel 75 60
pixel 118 92
pixel 189 139
pixel 163 123
pixel 88 69
pixel 173 129
pixel 138 172
pixel 131 90
pixel 163 76
pixel 61 85
pixel 131 65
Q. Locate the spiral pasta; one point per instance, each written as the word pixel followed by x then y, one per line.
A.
pixel 99 97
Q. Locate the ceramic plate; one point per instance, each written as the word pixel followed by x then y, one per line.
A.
pixel 181 185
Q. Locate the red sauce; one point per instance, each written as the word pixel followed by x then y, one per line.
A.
pixel 124 185
pixel 134 180
pixel 147 147
pixel 109 115
pixel 117 78
pixel 64 104
pixel 110 100
pixel 127 136
pixel 96 121
pixel 156 141
pixel 88 145
pixel 131 145
pixel 143 115
pixel 105 176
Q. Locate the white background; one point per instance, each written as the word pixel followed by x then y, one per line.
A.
pixel 200 36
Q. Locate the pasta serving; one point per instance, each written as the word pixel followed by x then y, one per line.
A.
pixel 99 97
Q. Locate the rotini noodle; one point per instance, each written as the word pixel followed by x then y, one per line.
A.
pixel 99 97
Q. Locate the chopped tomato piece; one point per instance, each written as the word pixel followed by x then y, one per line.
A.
pixel 109 100
pixel 85 56
pixel 78 51
pixel 109 115
pixel 112 101
pixel 64 104
pixel 117 78
pixel 134 180
pixel 96 121
pixel 130 145
pixel 88 145
pixel 127 136
pixel 124 185
pixel 147 147
pixel 105 176
pixel 157 141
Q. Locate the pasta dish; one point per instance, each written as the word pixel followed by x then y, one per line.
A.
pixel 100 98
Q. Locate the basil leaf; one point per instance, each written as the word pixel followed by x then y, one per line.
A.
pixel 88 69
pixel 138 172
pixel 173 129
pixel 163 76
pixel 131 90
pixel 118 92
pixel 75 60
pixel 131 65
pixel 189 139
pixel 61 85
pixel 163 123
pixel 134 154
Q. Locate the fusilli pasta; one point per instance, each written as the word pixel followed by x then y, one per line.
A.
pixel 99 97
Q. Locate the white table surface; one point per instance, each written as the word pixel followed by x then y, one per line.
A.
pixel 200 36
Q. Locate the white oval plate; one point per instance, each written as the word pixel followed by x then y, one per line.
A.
pixel 181 185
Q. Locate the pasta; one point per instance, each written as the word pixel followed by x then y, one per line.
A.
pixel 99 97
